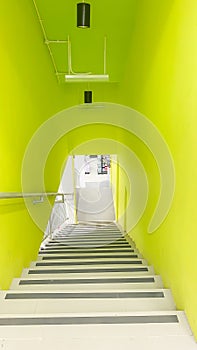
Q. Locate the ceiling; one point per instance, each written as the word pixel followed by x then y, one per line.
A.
pixel 108 19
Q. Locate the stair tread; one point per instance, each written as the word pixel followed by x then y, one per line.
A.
pixel 76 281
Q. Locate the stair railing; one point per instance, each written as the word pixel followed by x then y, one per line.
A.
pixel 40 195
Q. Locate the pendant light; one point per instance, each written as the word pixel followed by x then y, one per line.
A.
pixel 87 96
pixel 83 15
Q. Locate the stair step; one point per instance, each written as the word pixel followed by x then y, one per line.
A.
pixel 80 302
pixel 98 262
pixel 69 250
pixel 89 235
pixel 81 235
pixel 88 245
pixel 157 293
pixel 108 239
pixel 107 325
pixel 100 243
pixel 91 289
pixel 90 230
pixel 89 272
pixel 91 257
pixel 23 338
pixel 119 283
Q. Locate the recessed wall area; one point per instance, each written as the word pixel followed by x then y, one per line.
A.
pixel 94 197
pixel 87 190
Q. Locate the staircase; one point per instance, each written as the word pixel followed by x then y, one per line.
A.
pixel 91 289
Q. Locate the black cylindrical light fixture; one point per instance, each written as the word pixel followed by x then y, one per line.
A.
pixel 88 96
pixel 83 15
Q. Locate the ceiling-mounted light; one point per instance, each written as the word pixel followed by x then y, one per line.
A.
pixel 87 96
pixel 87 77
pixel 83 15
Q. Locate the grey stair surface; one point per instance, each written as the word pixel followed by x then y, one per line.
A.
pixel 90 288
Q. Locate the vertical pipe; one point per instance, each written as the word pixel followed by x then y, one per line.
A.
pixel 105 55
pixel 69 56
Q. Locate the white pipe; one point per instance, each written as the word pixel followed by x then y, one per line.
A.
pixel 71 74
pixel 70 70
pixel 69 56
pixel 56 41
pixel 46 39
pixel 105 55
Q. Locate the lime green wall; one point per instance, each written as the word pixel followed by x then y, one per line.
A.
pixel 29 94
pixel 122 198
pixel 160 81
pixel 114 181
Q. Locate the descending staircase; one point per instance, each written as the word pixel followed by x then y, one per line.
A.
pixel 91 289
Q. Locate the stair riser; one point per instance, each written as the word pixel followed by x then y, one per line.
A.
pixel 89 284
pixel 89 263
pixel 88 275
pixel 90 257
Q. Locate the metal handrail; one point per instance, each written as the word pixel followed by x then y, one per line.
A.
pixel 15 195
pixel 8 195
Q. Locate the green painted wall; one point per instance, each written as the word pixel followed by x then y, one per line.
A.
pixel 29 95
pixel 159 81
pixel 114 182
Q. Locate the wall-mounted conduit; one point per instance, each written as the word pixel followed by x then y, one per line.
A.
pixel 71 75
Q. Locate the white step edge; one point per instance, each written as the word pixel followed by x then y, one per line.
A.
pixel 83 305
pixel 72 249
pixel 77 252
pixel 92 266
pixel 87 287
pixel 67 256
pixel 86 330
pixel 84 248
pixel 89 262
pixel 150 271
pixel 31 340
